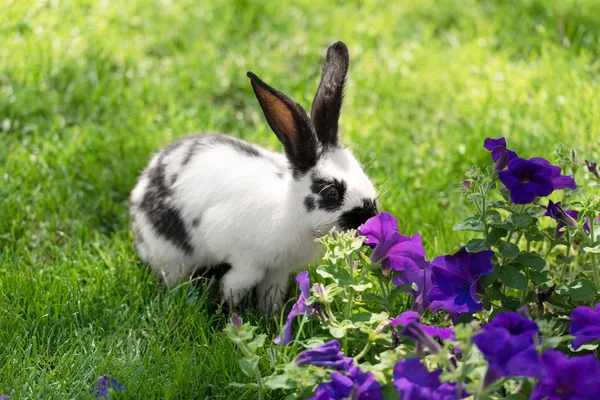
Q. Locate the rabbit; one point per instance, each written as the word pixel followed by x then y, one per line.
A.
pixel 210 200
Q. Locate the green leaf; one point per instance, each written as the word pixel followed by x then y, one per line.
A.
pixel 257 343
pixel 373 298
pixel 469 224
pixel 538 278
pixel 476 245
pixel 512 278
pixel 582 290
pixel 279 382
pixel 520 219
pixel 532 260
pixel 362 287
pixel 338 274
pixel 555 341
pixel 487 280
pixel 595 249
pixel 509 250
pixel 249 365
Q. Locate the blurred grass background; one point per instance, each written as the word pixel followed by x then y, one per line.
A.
pixel 89 89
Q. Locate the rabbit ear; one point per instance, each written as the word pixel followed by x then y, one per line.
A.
pixel 290 123
pixel 327 104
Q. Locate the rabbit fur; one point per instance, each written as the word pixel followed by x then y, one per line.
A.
pixel 211 200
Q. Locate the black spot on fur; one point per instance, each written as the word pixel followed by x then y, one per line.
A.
pixel 193 148
pixel 173 179
pixel 297 174
pixel 165 218
pixel 239 145
pixel 196 222
pixel 309 203
pixel 331 192
pixel 358 215
pixel 200 141
pixel 212 272
pixel 279 175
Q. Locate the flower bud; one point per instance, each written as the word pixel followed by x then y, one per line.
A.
pixel 592 167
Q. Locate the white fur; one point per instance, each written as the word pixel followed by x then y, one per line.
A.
pixel 249 216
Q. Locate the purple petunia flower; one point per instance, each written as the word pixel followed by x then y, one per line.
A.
pixel 403 254
pixel 104 384
pixel 526 180
pixel 455 281
pixel 4 398
pixel 507 345
pixel 423 335
pixel 559 181
pixel 327 355
pixel 568 378
pixel 564 218
pixel 356 385
pixel 299 308
pixel 390 247
pixel 585 325
pixel 412 381
pixel 500 154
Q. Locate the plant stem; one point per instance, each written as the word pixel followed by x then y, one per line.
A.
pixel 363 351
pixel 302 322
pixel 348 314
pixel 383 287
pixel 564 270
pixel 593 256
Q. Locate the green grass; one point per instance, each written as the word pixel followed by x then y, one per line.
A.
pixel 89 89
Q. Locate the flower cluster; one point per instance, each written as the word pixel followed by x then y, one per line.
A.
pixel 507 293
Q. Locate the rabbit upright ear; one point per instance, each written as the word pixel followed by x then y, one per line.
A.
pixel 327 104
pixel 290 123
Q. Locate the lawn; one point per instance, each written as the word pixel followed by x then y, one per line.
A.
pixel 89 89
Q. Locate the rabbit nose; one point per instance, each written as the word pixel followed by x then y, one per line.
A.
pixel 358 215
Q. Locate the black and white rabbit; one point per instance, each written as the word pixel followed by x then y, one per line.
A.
pixel 209 200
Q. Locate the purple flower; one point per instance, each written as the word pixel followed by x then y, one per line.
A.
pixel 356 385
pixel 104 384
pixel 568 378
pixel 500 154
pixel 592 167
pixel 403 254
pixel 515 323
pixel 389 246
pixel 508 347
pixel 327 355
pixel 585 325
pixel 422 277
pixel 563 218
pixel 526 180
pixel 456 281
pixel 4 398
pixel 299 308
pixel 422 334
pixel 559 181
pixel 412 381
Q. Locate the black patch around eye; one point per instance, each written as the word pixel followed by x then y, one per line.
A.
pixel 358 215
pixel 331 192
pixel 309 203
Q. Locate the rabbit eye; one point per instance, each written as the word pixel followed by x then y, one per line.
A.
pixel 330 192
